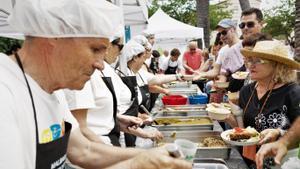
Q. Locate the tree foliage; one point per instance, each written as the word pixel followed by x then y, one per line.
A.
pixel 185 11
pixel 280 20
pixel 7 44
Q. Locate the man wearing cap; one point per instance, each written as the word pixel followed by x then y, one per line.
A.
pixel 65 42
pixel 229 59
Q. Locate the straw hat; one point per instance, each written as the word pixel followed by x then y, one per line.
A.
pixel 271 50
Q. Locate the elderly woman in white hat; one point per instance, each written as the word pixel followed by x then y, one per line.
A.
pixel 271 103
pixel 65 42
pixel 100 105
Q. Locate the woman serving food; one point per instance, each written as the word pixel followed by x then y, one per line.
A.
pixel 271 103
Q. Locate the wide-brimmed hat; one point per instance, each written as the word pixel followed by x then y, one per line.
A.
pixel 271 50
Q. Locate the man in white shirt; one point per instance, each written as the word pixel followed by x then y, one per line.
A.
pixel 172 65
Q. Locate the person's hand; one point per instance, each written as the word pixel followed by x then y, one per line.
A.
pixel 277 149
pixel 152 134
pixel 269 135
pixel 166 91
pixel 128 121
pixel 199 76
pixel 157 159
pixel 221 78
pixel 188 77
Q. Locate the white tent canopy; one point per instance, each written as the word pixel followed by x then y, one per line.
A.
pixel 165 27
pixel 5 29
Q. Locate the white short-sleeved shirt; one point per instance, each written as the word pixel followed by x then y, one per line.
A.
pixel 18 140
pixel 168 62
pixel 231 58
pixel 161 61
pixel 97 98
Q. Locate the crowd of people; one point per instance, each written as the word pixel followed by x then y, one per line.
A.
pixel 76 96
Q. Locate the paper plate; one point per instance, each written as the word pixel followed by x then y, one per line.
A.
pixel 249 142
pixel 240 75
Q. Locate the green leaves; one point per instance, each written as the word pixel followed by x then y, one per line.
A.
pixel 185 11
pixel 6 44
pixel 281 20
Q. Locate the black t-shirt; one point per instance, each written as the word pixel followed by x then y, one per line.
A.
pixel 280 111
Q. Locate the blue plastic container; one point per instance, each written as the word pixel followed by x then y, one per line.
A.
pixel 198 99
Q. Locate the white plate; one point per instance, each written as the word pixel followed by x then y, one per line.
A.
pixel 249 142
pixel 240 77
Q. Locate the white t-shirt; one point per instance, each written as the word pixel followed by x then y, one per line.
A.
pixel 168 62
pixel 231 58
pixel 18 140
pixel 97 98
pixel 161 61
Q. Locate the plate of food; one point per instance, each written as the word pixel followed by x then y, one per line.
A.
pixel 240 75
pixel 241 137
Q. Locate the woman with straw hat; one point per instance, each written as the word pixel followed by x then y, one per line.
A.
pixel 271 103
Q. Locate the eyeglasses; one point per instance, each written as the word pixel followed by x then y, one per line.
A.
pixel 193 49
pixel 250 24
pixel 116 43
pixel 224 32
pixel 120 46
pixel 255 61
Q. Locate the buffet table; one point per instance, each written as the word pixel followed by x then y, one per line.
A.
pixel 235 160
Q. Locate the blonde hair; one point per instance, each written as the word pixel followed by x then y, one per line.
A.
pixel 283 73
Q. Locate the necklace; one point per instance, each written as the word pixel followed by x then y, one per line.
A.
pixel 259 115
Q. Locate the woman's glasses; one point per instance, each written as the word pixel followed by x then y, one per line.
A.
pixel 116 43
pixel 250 24
pixel 255 61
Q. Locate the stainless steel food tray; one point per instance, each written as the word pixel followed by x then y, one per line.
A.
pixel 197 137
pixel 185 109
pixel 192 90
pixel 209 164
pixel 181 114
pixel 180 127
pixel 179 85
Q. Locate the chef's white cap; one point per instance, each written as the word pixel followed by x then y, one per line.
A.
pixel 65 18
pixel 130 50
pixel 142 40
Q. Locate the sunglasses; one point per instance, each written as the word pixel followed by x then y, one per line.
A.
pixel 224 32
pixel 255 61
pixel 250 24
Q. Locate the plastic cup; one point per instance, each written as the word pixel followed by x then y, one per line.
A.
pixel 187 147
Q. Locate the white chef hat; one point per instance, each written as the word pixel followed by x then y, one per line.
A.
pixel 118 34
pixel 65 18
pixel 148 34
pixel 130 50
pixel 142 40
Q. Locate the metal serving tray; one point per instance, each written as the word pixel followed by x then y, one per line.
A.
pixel 180 127
pixel 197 137
pixel 179 85
pixel 192 90
pixel 181 114
pixel 185 109
pixel 209 164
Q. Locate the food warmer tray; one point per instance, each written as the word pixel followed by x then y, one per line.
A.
pixel 197 137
